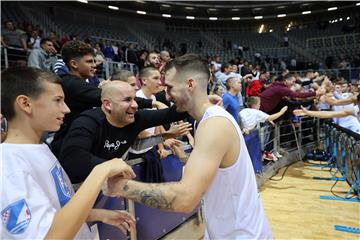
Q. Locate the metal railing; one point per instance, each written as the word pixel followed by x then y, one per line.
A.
pixel 343 146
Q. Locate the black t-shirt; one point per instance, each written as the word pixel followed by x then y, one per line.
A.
pixel 92 140
pixel 81 96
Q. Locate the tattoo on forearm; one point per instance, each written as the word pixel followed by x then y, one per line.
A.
pixel 152 197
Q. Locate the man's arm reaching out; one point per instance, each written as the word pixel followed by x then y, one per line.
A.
pixel 200 170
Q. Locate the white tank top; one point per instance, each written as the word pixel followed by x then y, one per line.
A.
pixel 232 207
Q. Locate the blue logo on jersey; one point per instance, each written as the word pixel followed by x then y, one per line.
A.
pixel 16 217
pixel 63 191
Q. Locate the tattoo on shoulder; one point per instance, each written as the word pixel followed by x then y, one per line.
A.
pixel 152 197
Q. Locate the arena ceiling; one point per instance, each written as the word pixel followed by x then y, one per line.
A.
pixel 227 10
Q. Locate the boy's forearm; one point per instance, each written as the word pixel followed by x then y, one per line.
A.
pixel 68 220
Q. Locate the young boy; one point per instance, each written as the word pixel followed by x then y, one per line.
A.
pixel 37 198
pixel 250 117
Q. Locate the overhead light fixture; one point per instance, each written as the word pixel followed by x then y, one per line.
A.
pixel 189 8
pixel 190 17
pixel 113 7
pixel 335 20
pixel 235 18
pixel 348 18
pixel 83 1
pixel 235 10
pixel 166 15
pixel 212 9
pixel 287 29
pixel 281 15
pixel 306 12
pixel 141 12
pixel 281 7
pixel 165 5
pixel 358 4
pixel 340 19
pixel 140 1
pixel 332 8
pixel 270 30
pixel 258 17
pixel 261 28
pixel 213 18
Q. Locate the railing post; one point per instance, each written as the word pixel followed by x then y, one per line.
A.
pixel 6 57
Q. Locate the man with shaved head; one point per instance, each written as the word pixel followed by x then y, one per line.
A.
pixel 103 133
pixel 219 169
pixel 165 57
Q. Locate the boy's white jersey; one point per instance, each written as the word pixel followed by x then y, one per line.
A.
pixel 33 187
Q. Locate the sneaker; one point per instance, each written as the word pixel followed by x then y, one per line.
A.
pixel 274 157
pixel 277 154
pixel 268 156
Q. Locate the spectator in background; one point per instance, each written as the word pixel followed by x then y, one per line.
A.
pixel 218 90
pixel 131 54
pixel 108 51
pixel 34 40
pixel 230 98
pixel 142 58
pixel 272 98
pixel 222 75
pixel 43 58
pixel 99 55
pixel 65 39
pixel 125 76
pixel 53 37
pixel 286 40
pixel 165 57
pixel 12 38
pixel 152 60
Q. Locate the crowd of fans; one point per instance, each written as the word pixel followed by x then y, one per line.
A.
pixel 267 94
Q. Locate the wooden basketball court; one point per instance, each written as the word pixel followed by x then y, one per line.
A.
pixel 295 210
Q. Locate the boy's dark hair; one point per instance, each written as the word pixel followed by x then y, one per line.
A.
pixel 224 66
pixel 44 40
pixel 75 49
pixel 280 78
pixel 22 81
pixel 190 63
